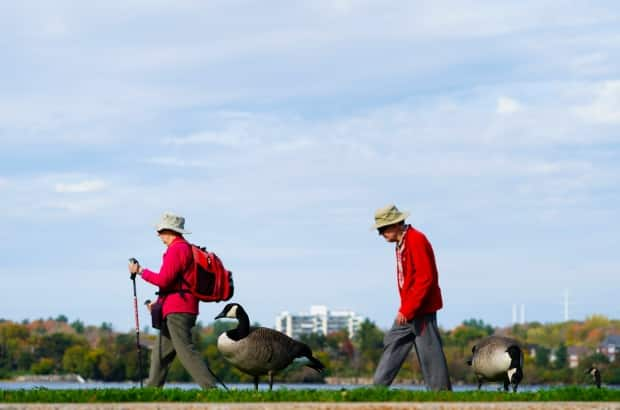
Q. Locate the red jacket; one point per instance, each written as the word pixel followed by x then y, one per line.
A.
pixel 417 275
pixel 177 262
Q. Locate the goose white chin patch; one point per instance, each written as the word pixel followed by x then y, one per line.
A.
pixel 510 373
pixel 232 313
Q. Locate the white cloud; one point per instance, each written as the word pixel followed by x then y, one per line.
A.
pixel 342 6
pixel 228 138
pixel 87 186
pixel 30 197
pixel 298 144
pixel 331 64
pixel 177 162
pixel 605 107
pixel 55 27
pixel 307 160
pixel 506 105
pixel 377 142
pixel 597 63
pixel 78 206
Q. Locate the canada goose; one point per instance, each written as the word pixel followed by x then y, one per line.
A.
pixel 497 358
pixel 257 350
pixel 596 375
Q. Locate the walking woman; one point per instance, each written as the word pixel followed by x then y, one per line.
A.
pixel 179 308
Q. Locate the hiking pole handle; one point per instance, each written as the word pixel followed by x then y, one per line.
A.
pixel 134 261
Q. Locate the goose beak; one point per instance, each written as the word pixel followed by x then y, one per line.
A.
pixel 221 315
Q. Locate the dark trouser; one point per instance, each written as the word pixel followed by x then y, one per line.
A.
pixel 175 338
pixel 422 333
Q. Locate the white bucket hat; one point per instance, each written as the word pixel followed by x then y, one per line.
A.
pixel 388 215
pixel 172 222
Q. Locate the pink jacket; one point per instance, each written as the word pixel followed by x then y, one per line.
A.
pixel 177 261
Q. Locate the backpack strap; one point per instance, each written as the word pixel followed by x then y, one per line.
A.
pixel 180 290
pixel 181 282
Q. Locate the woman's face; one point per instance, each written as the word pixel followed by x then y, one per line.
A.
pixel 166 236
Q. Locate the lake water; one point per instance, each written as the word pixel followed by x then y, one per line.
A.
pixel 8 385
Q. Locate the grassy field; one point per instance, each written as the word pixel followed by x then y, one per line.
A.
pixel 42 395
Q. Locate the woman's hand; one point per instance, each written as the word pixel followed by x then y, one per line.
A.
pixel 135 268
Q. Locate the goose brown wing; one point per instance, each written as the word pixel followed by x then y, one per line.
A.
pixel 261 346
pixel 278 349
pixel 495 342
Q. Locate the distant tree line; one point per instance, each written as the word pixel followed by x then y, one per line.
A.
pixel 56 346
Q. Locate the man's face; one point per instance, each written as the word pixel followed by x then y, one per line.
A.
pixel 390 232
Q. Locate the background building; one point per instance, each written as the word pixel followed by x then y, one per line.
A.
pixel 320 320
pixel 610 347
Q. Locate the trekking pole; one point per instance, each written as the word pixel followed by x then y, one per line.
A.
pixel 217 378
pixel 135 308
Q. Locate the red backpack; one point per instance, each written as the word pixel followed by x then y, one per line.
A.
pixel 209 281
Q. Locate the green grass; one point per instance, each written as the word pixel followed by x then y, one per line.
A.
pixel 42 395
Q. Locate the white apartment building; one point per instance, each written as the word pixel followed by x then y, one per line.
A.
pixel 320 320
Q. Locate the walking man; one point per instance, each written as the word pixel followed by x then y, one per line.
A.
pixel 179 308
pixel 420 298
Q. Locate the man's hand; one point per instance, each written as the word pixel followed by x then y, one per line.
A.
pixel 400 320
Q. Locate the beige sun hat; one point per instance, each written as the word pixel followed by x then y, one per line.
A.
pixel 172 222
pixel 388 215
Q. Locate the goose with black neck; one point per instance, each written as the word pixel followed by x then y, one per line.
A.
pixel 259 351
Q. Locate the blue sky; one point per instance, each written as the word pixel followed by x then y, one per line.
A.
pixel 278 128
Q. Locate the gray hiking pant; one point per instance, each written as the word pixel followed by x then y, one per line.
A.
pixel 422 333
pixel 175 339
